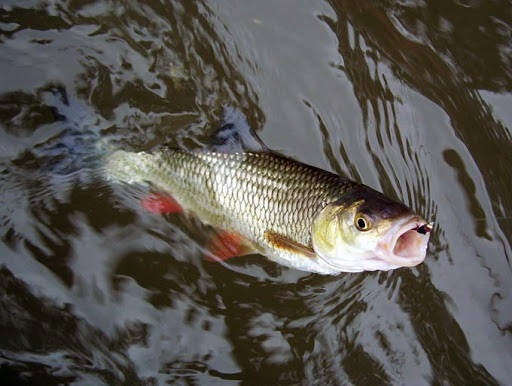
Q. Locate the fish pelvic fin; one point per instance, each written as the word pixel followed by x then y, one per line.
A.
pixel 283 243
pixel 226 245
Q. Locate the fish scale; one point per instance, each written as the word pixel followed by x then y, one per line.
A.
pixel 246 192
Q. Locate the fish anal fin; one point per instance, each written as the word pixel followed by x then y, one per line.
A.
pixel 160 203
pixel 281 242
pixel 226 245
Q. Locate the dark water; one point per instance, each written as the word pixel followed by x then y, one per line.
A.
pixel 413 98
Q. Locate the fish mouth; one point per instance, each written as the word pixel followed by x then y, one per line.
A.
pixel 404 244
pixel 407 246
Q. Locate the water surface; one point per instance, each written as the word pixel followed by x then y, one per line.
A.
pixel 410 97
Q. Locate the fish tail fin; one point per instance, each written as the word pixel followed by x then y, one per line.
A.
pixel 127 167
pixel 76 144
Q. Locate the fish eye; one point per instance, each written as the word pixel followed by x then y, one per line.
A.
pixel 361 223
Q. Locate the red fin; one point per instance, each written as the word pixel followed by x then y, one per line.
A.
pixel 161 203
pixel 226 245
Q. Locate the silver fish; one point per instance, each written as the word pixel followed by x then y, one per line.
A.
pixel 296 215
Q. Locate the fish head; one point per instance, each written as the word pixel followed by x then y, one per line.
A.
pixel 366 231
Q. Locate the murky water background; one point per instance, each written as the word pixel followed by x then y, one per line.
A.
pixel 410 97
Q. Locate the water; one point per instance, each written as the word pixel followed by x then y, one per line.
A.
pixel 409 97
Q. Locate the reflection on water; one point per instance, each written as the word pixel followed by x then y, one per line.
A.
pixel 404 96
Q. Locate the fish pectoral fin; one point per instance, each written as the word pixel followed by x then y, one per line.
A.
pixel 226 245
pixel 160 203
pixel 281 242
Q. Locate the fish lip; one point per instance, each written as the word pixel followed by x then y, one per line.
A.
pixel 386 250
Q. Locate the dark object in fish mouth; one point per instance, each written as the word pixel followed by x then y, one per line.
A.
pixel 424 229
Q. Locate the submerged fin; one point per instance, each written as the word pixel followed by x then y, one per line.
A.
pixel 286 244
pixel 160 203
pixel 71 142
pixel 226 245
pixel 236 135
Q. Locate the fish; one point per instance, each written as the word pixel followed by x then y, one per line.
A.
pixel 295 214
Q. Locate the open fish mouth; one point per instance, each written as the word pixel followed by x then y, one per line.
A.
pixel 403 245
pixel 408 244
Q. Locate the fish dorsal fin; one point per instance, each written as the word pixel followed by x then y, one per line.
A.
pixel 284 243
pixel 235 135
